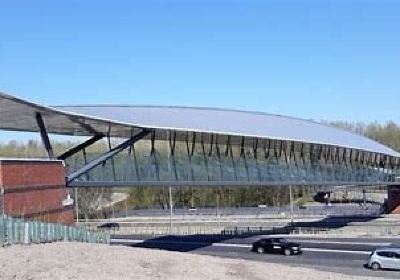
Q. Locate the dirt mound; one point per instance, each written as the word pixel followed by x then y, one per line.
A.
pixel 93 261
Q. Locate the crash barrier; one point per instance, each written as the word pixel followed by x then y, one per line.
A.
pixel 20 231
pixel 255 230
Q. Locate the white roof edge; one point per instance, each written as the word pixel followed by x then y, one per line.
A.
pixel 390 152
pixel 393 153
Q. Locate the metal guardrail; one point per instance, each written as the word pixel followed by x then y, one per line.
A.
pixel 19 231
pixel 234 231
pixel 334 209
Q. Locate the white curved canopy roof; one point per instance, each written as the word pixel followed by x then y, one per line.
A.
pixel 18 114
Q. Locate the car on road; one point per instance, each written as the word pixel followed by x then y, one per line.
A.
pixel 384 258
pixel 109 226
pixel 276 245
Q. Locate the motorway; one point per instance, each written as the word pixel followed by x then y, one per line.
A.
pixel 343 255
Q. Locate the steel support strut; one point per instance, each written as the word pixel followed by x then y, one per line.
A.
pixel 44 135
pixel 107 155
pixel 80 147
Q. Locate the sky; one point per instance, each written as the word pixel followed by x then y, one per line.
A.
pixel 321 60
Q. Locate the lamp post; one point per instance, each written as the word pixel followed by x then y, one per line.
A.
pixel 76 205
pixel 291 205
pixel 219 222
pixel 170 209
pixel 170 188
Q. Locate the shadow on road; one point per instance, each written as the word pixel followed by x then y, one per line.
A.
pixel 188 243
pixel 333 222
pixel 181 243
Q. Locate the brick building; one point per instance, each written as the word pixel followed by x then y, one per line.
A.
pixel 34 189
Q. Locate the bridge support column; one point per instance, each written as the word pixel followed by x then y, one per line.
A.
pixel 35 189
pixel 394 199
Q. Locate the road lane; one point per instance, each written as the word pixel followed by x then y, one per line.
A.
pixel 336 255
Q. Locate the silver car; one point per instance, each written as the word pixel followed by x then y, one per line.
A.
pixel 387 258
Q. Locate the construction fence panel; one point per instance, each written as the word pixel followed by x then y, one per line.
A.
pixel 20 231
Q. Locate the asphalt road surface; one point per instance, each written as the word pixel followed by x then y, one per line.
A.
pixel 343 255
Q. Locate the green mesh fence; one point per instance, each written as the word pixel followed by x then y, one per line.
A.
pixel 19 231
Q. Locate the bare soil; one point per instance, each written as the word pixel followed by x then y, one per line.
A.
pixel 96 261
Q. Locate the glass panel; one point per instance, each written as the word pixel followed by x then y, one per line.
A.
pixel 267 161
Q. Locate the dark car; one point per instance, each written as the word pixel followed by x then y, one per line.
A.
pixel 276 245
pixel 109 226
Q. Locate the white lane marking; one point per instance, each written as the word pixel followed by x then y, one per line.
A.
pixel 339 242
pixel 133 241
pixel 336 251
pixel 128 241
pixel 232 245
pixel 136 241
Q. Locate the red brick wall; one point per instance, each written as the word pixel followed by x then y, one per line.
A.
pixel 1 177
pixel 394 199
pixel 35 190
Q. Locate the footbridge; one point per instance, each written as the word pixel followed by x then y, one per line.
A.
pixel 183 146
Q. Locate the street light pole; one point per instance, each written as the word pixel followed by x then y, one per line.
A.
pixel 291 205
pixel 170 209
pixel 219 222
pixel 76 206
pixel 170 188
